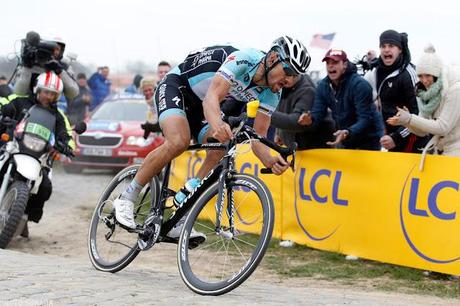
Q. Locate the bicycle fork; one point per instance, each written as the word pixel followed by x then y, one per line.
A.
pixel 223 194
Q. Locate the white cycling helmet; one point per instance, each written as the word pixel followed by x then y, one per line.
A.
pixel 292 52
pixel 49 81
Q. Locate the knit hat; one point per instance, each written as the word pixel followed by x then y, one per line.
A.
pixel 429 63
pixel 391 37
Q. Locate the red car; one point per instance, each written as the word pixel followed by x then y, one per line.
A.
pixel 114 138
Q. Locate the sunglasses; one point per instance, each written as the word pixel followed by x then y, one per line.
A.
pixel 288 69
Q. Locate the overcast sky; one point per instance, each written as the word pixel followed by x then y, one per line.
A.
pixel 112 32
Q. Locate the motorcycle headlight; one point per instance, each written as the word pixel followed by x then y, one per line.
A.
pixel 139 141
pixel 33 142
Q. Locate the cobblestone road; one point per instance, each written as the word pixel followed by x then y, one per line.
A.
pixel 27 279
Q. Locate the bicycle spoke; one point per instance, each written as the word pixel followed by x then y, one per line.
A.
pixel 203 249
pixel 239 250
pixel 245 242
pixel 225 260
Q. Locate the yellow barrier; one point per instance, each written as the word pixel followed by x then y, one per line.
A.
pixel 374 205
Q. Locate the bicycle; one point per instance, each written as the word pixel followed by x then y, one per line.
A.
pixel 234 244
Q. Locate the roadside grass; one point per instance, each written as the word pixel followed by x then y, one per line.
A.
pixel 304 262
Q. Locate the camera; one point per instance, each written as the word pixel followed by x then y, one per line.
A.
pixel 36 51
pixel 365 65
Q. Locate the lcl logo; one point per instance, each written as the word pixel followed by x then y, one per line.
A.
pixel 315 197
pixel 426 201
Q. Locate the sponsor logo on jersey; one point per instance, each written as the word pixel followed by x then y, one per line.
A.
pixel 239 91
pixel 176 100
pixel 230 58
pixel 202 58
pixel 161 96
pixel 244 62
pixel 226 76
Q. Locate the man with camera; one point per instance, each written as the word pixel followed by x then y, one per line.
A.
pixel 40 55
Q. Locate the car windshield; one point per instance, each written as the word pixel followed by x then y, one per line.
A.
pixel 122 111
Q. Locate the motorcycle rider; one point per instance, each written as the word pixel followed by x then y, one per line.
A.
pixel 46 93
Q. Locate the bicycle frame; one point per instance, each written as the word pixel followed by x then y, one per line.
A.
pixel 164 192
pixel 222 173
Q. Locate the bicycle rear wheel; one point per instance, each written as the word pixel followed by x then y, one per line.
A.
pixel 222 262
pixel 111 247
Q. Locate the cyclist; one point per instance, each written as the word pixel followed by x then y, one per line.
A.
pixel 193 91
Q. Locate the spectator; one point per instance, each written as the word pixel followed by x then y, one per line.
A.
pixel 3 80
pixel 371 56
pixel 147 86
pixel 439 97
pixel 134 87
pixel 78 108
pixel 297 98
pixel 393 84
pixel 148 89
pixel 349 96
pixel 162 69
pixel 100 86
pixel 5 89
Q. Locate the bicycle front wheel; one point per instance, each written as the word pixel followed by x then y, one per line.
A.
pixel 225 260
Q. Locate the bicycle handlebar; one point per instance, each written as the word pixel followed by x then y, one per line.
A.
pixel 247 129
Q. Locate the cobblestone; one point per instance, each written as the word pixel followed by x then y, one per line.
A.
pixel 52 280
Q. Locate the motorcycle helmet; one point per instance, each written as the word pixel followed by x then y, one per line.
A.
pixel 49 81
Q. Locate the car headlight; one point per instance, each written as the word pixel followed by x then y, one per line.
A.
pixel 139 141
pixel 33 142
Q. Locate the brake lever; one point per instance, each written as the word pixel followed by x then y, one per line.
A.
pixel 285 154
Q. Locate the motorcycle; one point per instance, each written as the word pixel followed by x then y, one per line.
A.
pixel 29 148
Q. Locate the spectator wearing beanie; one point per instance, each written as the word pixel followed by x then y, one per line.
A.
pixel 439 95
pixel 393 84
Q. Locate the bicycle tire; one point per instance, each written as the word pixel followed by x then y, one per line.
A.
pixel 192 275
pixel 99 261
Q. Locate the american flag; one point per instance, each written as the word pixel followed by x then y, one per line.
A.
pixel 322 41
